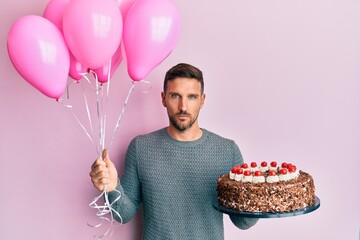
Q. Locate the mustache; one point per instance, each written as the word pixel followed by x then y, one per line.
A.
pixel 183 113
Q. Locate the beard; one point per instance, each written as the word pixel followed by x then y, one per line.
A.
pixel 182 125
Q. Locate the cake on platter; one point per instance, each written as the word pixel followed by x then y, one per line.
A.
pixel 266 188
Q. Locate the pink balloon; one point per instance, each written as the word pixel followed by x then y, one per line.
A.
pixel 92 30
pixel 38 52
pixel 54 11
pixel 151 30
pixel 124 6
pixel 76 68
pixel 102 73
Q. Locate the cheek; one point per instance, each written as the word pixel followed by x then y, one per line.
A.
pixel 171 107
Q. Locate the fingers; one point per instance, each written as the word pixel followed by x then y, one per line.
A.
pixel 101 172
pixel 106 158
pixel 98 166
pixel 105 154
pixel 100 180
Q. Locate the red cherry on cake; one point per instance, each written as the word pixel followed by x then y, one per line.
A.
pixel 253 165
pixel 235 168
pixel 292 168
pixel 272 173
pixel 284 165
pixel 273 164
pixel 239 171
pixel 283 171
pixel 264 164
pixel 247 173
pixel 258 173
pixel 244 165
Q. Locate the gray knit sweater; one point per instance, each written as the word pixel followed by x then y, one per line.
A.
pixel 176 182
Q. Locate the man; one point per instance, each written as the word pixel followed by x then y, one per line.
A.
pixel 173 171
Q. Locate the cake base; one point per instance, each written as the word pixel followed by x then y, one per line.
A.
pixel 279 197
pixel 232 212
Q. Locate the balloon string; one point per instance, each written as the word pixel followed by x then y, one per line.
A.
pixel 101 105
pixel 116 129
pixel 109 77
pixel 99 110
pixel 70 107
pixel 97 106
pixel 105 209
pixel 89 117
pixel 106 103
pixel 88 80
pixel 87 105
pixel 150 86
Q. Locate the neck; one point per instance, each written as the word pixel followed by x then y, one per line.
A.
pixel 190 134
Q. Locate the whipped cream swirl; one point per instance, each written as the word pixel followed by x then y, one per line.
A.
pixel 264 169
pixel 284 177
pixel 247 178
pixel 238 177
pixel 258 179
pixel 272 179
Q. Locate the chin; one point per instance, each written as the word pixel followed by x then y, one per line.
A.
pixel 182 127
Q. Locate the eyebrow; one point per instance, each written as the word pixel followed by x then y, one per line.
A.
pixel 190 94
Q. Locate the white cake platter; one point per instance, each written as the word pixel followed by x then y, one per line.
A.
pixel 298 212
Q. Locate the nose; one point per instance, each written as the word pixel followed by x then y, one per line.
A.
pixel 183 105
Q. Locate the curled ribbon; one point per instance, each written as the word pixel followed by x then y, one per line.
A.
pixel 104 210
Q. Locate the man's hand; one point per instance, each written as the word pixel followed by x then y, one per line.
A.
pixel 103 172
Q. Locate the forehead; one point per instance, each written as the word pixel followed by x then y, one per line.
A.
pixel 184 85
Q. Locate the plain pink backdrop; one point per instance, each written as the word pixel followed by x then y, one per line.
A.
pixel 282 80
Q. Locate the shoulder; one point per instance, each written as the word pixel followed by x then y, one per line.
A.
pixel 149 137
pixel 219 142
pixel 224 146
pixel 216 137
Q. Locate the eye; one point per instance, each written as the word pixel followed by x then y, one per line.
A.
pixel 193 97
pixel 174 96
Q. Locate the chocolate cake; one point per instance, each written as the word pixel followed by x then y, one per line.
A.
pixel 266 189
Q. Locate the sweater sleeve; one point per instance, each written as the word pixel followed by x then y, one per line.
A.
pixel 129 188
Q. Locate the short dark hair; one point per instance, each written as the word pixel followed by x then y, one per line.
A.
pixel 184 70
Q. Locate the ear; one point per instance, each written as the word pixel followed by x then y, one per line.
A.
pixel 163 99
pixel 203 96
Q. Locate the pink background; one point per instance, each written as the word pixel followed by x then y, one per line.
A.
pixel 282 80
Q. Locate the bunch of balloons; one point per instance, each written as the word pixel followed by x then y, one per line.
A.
pixel 75 36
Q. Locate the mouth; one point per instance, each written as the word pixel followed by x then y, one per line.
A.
pixel 182 115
